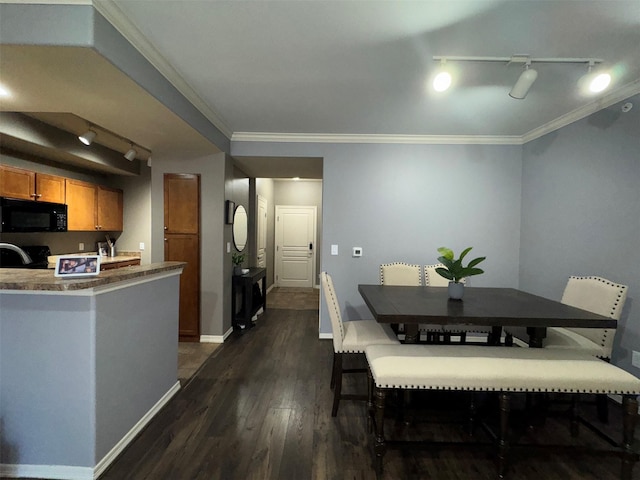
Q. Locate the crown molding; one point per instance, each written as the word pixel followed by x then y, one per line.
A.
pixel 115 16
pixel 598 104
pixel 367 138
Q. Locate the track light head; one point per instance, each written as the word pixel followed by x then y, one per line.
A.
pixel 442 80
pixel 131 154
pixel 524 83
pixel 87 137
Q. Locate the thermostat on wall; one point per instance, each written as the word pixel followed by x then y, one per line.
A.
pixel 357 251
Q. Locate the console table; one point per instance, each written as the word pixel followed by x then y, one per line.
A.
pixel 244 285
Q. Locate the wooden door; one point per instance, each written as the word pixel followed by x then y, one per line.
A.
pixel 181 203
pixel 17 183
pixel 81 205
pixel 185 248
pixel 261 254
pixel 109 213
pixel 50 188
pixel 182 243
pixel 295 246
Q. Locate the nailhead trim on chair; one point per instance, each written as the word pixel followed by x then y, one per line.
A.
pixel 402 264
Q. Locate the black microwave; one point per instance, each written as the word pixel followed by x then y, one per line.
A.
pixel 29 216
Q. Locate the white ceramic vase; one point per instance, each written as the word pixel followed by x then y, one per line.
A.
pixel 456 290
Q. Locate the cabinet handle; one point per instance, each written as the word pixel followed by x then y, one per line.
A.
pixel 39 195
pixel 33 195
pixel 98 227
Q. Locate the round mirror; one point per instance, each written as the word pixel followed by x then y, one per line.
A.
pixel 240 228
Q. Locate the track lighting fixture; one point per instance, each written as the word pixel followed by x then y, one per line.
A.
pixel 524 83
pixel 597 82
pixel 87 137
pixel 131 154
pixel 442 80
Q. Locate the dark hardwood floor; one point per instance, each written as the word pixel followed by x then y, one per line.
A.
pixel 261 409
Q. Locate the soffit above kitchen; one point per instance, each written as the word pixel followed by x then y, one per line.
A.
pixel 68 86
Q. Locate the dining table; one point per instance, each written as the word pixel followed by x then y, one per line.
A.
pixel 494 307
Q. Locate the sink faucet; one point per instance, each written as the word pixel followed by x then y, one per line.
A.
pixel 26 259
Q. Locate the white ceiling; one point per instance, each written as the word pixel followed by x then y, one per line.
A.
pixel 361 68
pixel 333 71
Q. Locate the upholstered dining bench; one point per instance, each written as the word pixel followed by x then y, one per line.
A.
pixel 505 371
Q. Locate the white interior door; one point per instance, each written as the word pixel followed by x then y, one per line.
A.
pixel 295 246
pixel 262 233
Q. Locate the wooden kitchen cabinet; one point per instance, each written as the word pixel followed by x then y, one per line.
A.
pixel 28 185
pixel 93 207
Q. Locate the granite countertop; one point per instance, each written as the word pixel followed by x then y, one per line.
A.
pixel 44 280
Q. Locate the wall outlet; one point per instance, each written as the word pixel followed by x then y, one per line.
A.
pixel 635 359
pixel 357 251
pixel 81 247
pixel 141 245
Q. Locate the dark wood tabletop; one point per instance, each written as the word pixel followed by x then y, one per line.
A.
pixel 498 307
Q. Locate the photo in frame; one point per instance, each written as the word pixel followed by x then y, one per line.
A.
pixel 230 208
pixel 77 266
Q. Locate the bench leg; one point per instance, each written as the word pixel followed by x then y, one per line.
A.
pixel 629 420
pixel 370 406
pixel 602 406
pixel 380 447
pixel 503 440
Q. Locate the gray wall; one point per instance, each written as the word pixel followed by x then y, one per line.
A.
pixel 581 212
pixel 402 202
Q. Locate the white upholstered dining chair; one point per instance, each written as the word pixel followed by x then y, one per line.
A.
pixel 405 274
pixel 434 279
pixel 350 338
pixel 597 295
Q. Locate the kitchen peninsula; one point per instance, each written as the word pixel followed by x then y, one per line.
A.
pixel 85 363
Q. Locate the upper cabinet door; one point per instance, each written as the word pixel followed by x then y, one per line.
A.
pixel 17 183
pixel 50 188
pixel 181 203
pixel 110 216
pixel 81 206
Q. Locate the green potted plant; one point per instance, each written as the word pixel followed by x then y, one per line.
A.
pixel 454 271
pixel 237 259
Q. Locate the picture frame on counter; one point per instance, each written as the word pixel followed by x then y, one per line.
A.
pixel 77 266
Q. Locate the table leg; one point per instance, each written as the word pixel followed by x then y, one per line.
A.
pixel 536 336
pixel 411 333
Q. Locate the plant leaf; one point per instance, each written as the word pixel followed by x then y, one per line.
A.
pixel 443 272
pixel 464 252
pixel 475 261
pixel 474 271
pixel 446 252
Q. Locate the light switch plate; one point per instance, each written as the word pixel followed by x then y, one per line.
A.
pixel 141 245
pixel 81 247
pixel 334 249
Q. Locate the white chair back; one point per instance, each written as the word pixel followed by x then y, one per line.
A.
pixel 600 296
pixel 434 279
pixel 400 273
pixel 331 301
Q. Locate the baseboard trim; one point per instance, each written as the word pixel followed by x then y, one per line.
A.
pixel 67 472
pixel 54 472
pixel 216 338
pixel 326 336
pixel 131 434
